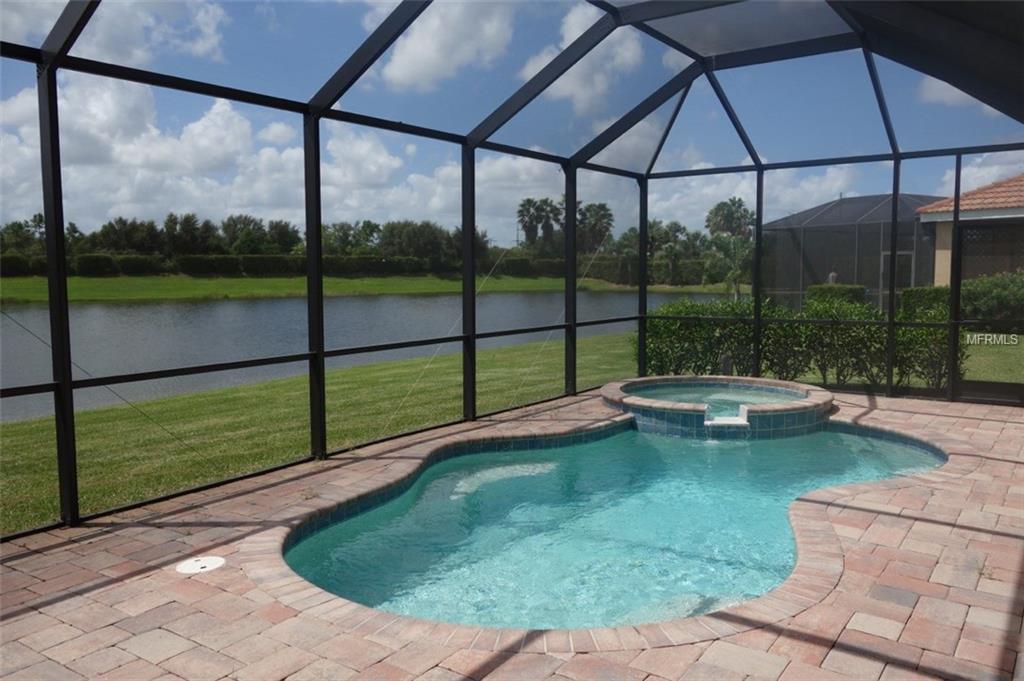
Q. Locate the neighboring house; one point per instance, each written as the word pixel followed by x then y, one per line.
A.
pixel 991 225
pixel 850 238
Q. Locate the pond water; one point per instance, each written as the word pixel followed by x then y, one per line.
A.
pixel 109 338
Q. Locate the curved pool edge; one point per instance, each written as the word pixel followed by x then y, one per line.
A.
pixel 817 570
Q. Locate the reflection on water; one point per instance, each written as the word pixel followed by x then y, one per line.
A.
pixel 122 338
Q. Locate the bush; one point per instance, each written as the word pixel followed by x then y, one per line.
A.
pixel 684 272
pixel 210 265
pixel 371 265
pixel 96 265
pixel 515 267
pixel 913 301
pixel 15 265
pixel 996 297
pixel 37 265
pixel 923 352
pixel 140 265
pixel 549 267
pixel 840 350
pixel 850 293
pixel 701 345
pixel 273 265
pixel 785 346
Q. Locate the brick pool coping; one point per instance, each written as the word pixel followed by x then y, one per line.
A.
pixel 818 567
pixel 922 577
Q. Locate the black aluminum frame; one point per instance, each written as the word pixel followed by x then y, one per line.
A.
pixel 53 55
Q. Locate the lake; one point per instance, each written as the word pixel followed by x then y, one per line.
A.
pixel 118 338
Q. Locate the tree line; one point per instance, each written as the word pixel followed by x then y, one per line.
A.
pixel 677 254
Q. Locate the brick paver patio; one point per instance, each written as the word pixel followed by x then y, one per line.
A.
pixel 911 578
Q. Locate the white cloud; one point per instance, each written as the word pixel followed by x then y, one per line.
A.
pixel 130 32
pixel 29 21
pixel 378 11
pixel 277 133
pixel 981 170
pixel 688 200
pixel 634 149
pixel 410 149
pixel 935 91
pixel 587 83
pixel 446 38
pixel 675 61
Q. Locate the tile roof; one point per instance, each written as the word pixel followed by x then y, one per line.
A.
pixel 1008 193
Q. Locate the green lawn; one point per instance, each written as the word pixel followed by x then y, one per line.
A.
pixel 1002 363
pixel 124 456
pixel 180 287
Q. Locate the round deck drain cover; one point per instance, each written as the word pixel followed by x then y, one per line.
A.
pixel 193 566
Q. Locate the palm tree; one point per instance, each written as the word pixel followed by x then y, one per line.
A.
pixel 529 219
pixel 729 255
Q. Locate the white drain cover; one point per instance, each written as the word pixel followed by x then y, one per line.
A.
pixel 193 566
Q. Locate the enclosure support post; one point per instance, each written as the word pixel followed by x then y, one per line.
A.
pixel 756 284
pixel 641 345
pixel 56 274
pixel 314 288
pixel 570 277
pixel 890 336
pixel 468 282
pixel 955 275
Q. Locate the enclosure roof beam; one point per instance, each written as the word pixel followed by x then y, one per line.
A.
pixel 975 47
pixel 869 62
pixel 733 118
pixel 673 87
pixel 667 131
pixel 562 62
pixel 367 53
pixel 793 50
pixel 65 31
pixel 651 10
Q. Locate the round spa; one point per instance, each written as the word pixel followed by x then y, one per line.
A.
pixel 721 407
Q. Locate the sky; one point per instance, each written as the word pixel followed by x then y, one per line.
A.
pixel 139 151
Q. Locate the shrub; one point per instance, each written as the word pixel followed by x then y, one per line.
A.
pixel 15 265
pixel 993 297
pixel 785 351
pixel 210 265
pixel 140 265
pixel 842 350
pixel 549 267
pixel 273 265
pixel 701 345
pixel 851 293
pixel 913 301
pixel 515 267
pixel 371 265
pixel 37 265
pixel 923 352
pixel 96 265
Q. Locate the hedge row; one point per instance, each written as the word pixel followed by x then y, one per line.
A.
pixel 837 352
pixel 106 265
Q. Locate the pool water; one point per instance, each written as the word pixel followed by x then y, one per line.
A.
pixel 721 400
pixel 628 529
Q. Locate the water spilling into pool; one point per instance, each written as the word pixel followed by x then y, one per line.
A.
pixel 630 528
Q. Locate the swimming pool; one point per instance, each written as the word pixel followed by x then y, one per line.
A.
pixel 629 528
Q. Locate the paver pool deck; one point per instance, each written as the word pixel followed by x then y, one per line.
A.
pixel 910 578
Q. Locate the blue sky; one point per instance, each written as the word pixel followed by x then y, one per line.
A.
pixel 147 151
